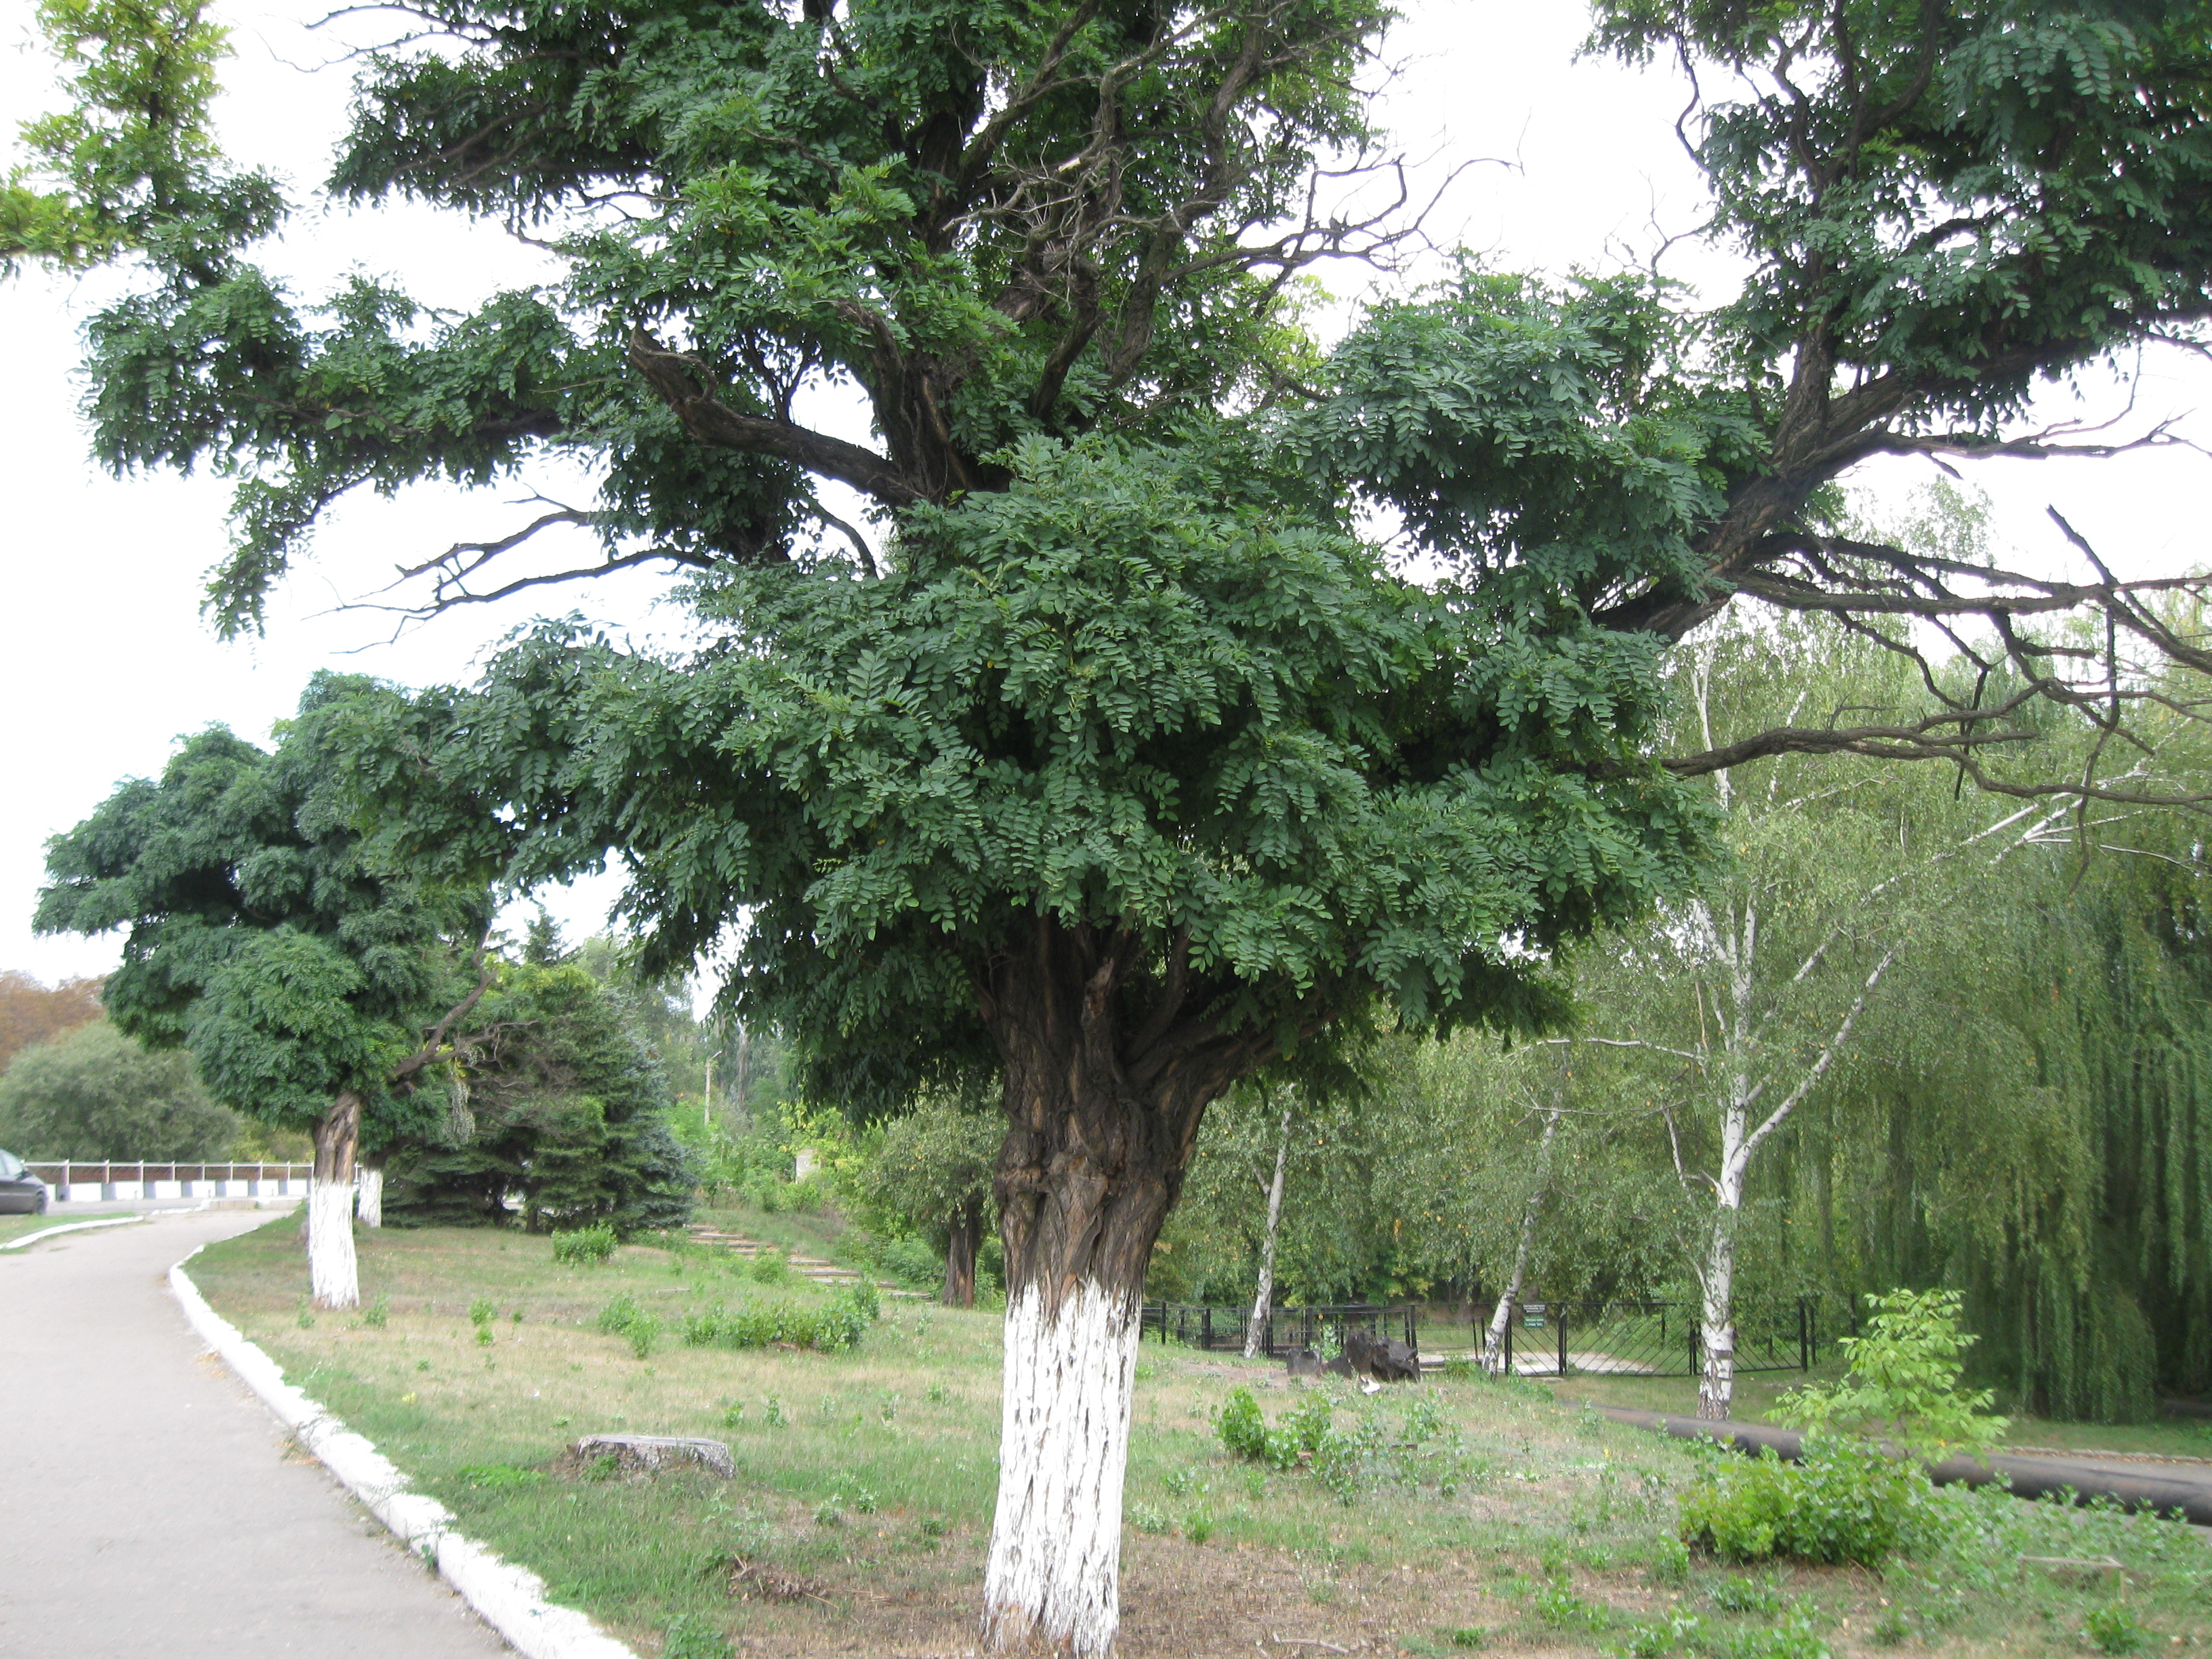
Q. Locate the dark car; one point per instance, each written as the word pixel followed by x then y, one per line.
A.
pixel 21 1193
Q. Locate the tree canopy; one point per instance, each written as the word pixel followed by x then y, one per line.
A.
pixel 93 1093
pixel 254 934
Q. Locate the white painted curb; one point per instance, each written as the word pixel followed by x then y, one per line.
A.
pixel 69 1227
pixel 507 1598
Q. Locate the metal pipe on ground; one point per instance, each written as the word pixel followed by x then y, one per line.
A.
pixel 2082 1478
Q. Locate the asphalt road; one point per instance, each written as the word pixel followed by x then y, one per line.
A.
pixel 150 1505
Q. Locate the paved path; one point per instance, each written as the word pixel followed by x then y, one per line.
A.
pixel 150 1505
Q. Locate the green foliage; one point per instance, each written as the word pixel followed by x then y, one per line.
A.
pixel 622 1318
pixel 1846 1500
pixel 582 1246
pixel 1304 1431
pixel 96 1094
pixel 1904 1384
pixel 694 1638
pixel 832 1325
pixel 259 936
pixel 560 1111
pixel 931 1164
pixel 768 1267
pixel 2114 1628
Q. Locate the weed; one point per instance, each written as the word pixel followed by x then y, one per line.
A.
pixel 1558 1606
pixel 734 1414
pixel 829 1514
pixel 1467 1638
pixel 1750 1595
pixel 932 1526
pixel 497 1477
pixel 1181 1483
pixel 1796 1637
pixel 482 1313
pixel 422 1364
pixel 1198 1526
pixel 1459 1369
pixel 1678 1632
pixel 1147 1519
pixel 1892 1630
pixel 622 1318
pixel 693 1637
pixel 938 1393
pixel 773 1414
pixel 305 1317
pixel 584 1247
pixel 1670 1560
pixel 769 1268
pixel 378 1314
pixel 2113 1628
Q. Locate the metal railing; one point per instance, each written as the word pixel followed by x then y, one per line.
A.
pixel 1650 1339
pixel 1287 1328
pixel 76 1181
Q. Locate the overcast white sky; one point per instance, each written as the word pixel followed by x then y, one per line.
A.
pixel 105 660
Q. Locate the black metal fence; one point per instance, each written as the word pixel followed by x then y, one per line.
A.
pixel 1287 1329
pixel 1650 1339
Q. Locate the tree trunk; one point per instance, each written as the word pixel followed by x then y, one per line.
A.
pixel 369 1207
pixel 1263 1298
pixel 1103 1094
pixel 1717 1385
pixel 333 1278
pixel 961 1237
pixel 1493 1341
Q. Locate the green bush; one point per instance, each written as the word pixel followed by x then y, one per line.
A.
pixel 1244 1432
pixel 1243 1429
pixel 2113 1629
pixel 581 1247
pixel 622 1318
pixel 911 1262
pixel 769 1268
pixel 831 1326
pixel 1846 1501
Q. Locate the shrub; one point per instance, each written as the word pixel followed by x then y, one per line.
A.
pixel 1904 1381
pixel 911 1262
pixel 583 1247
pixel 1847 1501
pixel 2113 1629
pixel 1243 1429
pixel 622 1318
pixel 831 1326
pixel 769 1268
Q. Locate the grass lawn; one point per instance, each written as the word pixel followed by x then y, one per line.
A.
pixel 15 1226
pixel 1489 1515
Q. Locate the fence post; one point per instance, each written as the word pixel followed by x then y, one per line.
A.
pixel 1205 1328
pixel 1510 1311
pixel 1693 1346
pixel 1804 1338
pixel 1559 1312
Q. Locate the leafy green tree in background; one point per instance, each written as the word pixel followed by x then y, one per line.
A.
pixel 930 1173
pixel 558 1115
pixel 310 991
pixel 1128 767
pixel 93 1093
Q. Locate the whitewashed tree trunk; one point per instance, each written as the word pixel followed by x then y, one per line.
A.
pixel 1263 1298
pixel 333 1275
pixel 1716 1381
pixel 369 1206
pixel 1054 1578
pixel 1493 1341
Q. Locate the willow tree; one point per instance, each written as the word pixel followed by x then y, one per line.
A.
pixel 311 989
pixel 1122 759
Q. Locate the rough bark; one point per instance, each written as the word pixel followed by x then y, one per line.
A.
pixel 333 1278
pixel 1106 1080
pixel 962 1234
pixel 1263 1296
pixel 368 1206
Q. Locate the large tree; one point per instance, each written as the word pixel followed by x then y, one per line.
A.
pixel 1125 761
pixel 310 990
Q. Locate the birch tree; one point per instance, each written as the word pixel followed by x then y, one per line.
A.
pixel 1109 748
pixel 1263 1293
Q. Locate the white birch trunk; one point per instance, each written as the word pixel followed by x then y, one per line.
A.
pixel 1716 1381
pixel 333 1277
pixel 369 1206
pixel 1493 1341
pixel 1054 1578
pixel 1263 1298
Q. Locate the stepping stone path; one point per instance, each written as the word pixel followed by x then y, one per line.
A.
pixel 806 1267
